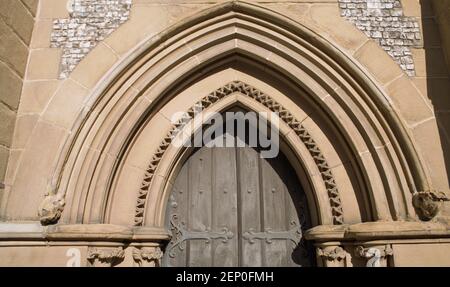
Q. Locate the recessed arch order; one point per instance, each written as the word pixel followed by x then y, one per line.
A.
pixel 367 150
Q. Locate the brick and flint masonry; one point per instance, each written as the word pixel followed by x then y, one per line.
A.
pixel 91 21
pixel 384 22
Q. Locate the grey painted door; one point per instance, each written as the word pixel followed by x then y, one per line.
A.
pixel 230 207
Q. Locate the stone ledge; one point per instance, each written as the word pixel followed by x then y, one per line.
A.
pixel 110 232
pixel 379 231
pixel 80 232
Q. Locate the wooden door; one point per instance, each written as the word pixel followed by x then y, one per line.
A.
pixel 230 207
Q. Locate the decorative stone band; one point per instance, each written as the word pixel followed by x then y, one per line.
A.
pixel 285 115
pixel 147 256
pixel 107 257
pixel 428 203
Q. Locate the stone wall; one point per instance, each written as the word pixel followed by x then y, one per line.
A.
pixel 52 109
pixel 90 21
pixel 16 26
pixel 384 22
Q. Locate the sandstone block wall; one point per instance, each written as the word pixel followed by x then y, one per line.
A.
pixel 16 26
pixel 51 108
pixel 49 105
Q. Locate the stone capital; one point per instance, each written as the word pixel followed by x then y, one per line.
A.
pixel 105 257
pixel 332 256
pixel 375 256
pixel 148 256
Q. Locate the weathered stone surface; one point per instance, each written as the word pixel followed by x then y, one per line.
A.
pixel 44 64
pixel 7 121
pixel 12 49
pixel 16 26
pixel 41 35
pixel 52 9
pixel 90 22
pixel 11 86
pixel 17 16
pixel 442 11
pixel 36 95
pixel 4 154
pixel 77 138
pixel 32 5
pixel 384 22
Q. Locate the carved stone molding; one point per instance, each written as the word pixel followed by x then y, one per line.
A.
pixel 51 208
pixel 105 257
pixel 148 256
pixel 428 203
pixel 267 101
pixel 332 256
pixel 375 256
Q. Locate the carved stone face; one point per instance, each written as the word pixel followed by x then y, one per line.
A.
pixel 50 209
pixel 426 206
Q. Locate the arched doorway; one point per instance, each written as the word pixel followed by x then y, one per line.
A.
pixel 376 168
pixel 231 206
pixel 360 165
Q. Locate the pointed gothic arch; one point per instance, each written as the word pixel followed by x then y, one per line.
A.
pixel 249 97
pixel 389 168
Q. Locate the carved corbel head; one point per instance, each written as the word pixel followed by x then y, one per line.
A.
pixel 51 208
pixel 428 203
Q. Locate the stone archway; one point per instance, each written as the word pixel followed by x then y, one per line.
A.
pixel 105 181
pixel 391 166
pixel 251 97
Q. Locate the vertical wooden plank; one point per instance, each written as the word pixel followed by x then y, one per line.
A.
pixel 200 196
pixel 177 207
pixel 225 206
pixel 235 189
pixel 292 218
pixel 274 191
pixel 250 208
pixel 298 212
